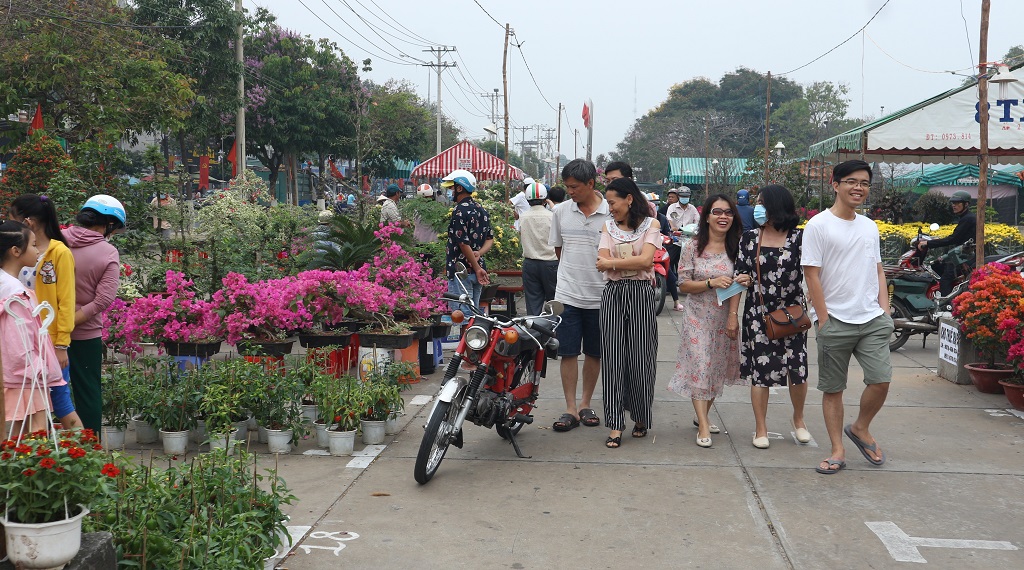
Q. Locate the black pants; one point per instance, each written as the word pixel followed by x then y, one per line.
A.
pixel 672 280
pixel 539 280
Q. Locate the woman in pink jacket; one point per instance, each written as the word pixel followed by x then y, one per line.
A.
pixel 97 275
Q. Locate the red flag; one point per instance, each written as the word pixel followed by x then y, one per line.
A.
pixel 37 120
pixel 586 115
pixel 232 157
pixel 204 172
pixel 335 172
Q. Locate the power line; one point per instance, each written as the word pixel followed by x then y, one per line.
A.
pixel 374 30
pixel 519 46
pixel 342 36
pixel 398 36
pixel 910 66
pixel 853 35
pixel 500 25
pixel 414 34
pixel 967 35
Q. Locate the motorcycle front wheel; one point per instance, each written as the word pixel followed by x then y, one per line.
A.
pixel 436 438
pixel 899 337
pixel 660 293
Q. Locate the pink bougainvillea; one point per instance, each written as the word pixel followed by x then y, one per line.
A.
pixel 175 316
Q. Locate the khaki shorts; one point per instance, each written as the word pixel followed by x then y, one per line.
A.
pixel 868 342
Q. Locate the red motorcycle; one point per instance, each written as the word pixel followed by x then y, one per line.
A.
pixel 507 359
pixel 662 260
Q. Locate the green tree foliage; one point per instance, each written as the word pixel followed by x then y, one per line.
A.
pixel 933 208
pixel 96 77
pixel 299 98
pixel 398 126
pixel 726 119
pixel 208 29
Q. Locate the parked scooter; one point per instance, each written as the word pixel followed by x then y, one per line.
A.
pixel 914 292
pixel 662 266
pixel 508 359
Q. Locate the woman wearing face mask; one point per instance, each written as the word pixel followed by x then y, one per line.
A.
pixel 775 245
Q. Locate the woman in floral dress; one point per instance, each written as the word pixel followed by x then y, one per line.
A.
pixel 708 357
pixel 763 362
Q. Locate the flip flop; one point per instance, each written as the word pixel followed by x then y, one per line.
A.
pixel 565 422
pixel 864 447
pixel 839 466
pixel 589 418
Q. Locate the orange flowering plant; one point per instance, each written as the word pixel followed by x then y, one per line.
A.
pixel 992 309
pixel 45 476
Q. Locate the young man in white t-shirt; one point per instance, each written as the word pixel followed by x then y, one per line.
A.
pixel 850 301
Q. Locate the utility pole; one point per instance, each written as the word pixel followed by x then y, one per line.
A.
pixel 979 238
pixel 494 116
pixel 767 124
pixel 522 142
pixel 439 66
pixel 504 82
pixel 558 153
pixel 548 131
pixel 240 116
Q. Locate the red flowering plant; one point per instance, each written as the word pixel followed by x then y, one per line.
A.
pixel 322 292
pixel 176 316
pixel 45 476
pixel 416 292
pixel 339 401
pixel 991 310
pixel 262 311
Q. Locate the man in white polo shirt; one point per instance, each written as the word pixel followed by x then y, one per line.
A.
pixel 575 234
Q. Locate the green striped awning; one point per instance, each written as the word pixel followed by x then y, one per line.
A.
pixel 691 170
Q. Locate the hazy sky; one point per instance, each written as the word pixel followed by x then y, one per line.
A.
pixel 626 55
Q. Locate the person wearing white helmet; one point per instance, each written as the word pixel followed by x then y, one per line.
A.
pixel 97 276
pixel 521 203
pixel 425 191
pixel 469 236
pixel 540 264
pixel 682 213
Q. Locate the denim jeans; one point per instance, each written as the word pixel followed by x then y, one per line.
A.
pixel 471 286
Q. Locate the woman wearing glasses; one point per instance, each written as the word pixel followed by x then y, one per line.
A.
pixel 770 254
pixel 708 357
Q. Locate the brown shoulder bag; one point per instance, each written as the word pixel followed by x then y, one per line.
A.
pixel 784 322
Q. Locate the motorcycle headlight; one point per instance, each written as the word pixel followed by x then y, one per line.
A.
pixel 476 338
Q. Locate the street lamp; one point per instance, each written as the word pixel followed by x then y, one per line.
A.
pixel 780 149
pixel 492 129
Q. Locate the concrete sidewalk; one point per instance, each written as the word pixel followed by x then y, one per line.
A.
pixel 949 494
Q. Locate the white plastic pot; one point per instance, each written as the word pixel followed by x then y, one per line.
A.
pixel 373 432
pixel 46 545
pixel 175 442
pixel 341 443
pixel 279 440
pixel 145 432
pixel 112 438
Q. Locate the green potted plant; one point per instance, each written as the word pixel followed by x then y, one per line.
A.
pixel 380 396
pixel 119 392
pixel 221 407
pixel 176 410
pixel 280 412
pixel 340 402
pixel 398 374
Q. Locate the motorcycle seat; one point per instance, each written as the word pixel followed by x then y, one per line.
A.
pixel 922 277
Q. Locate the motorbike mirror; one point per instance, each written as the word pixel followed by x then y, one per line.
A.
pixel 934 227
pixel 555 308
pixel 689 229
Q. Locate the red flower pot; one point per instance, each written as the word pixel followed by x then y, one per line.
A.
pixel 1014 393
pixel 986 379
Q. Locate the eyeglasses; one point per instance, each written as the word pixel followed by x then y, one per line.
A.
pixel 857 183
pixel 721 212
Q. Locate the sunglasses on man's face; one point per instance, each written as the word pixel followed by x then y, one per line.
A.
pixel 721 212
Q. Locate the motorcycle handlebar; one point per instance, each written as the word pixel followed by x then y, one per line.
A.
pixel 540 325
pixel 453 297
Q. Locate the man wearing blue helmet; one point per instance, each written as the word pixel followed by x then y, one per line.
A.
pixel 469 236
pixel 97 276
pixel 746 210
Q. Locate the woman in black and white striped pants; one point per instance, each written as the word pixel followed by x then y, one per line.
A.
pixel 629 331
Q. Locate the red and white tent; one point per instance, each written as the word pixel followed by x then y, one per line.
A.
pixel 465 155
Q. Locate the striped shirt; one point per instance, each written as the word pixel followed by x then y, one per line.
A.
pixel 580 284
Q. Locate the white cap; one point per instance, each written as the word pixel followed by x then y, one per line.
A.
pixel 382 198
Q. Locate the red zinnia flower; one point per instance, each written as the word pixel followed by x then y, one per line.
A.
pixel 43 451
pixel 98 447
pixel 47 463
pixel 28 472
pixel 76 453
pixel 110 470
pixel 6 455
pixel 22 448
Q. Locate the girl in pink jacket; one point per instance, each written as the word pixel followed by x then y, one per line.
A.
pixel 29 360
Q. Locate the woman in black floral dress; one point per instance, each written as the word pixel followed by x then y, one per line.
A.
pixel 763 362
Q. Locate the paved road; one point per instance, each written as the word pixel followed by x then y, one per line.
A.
pixel 954 475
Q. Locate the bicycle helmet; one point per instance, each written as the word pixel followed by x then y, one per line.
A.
pixel 108 206
pixel 463 178
pixel 425 190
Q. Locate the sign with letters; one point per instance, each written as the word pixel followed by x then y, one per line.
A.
pixel 949 342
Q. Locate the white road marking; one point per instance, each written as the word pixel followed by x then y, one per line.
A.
pixel 903 547
pixel 999 413
pixel 421 400
pixel 1017 413
pixel 316 452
